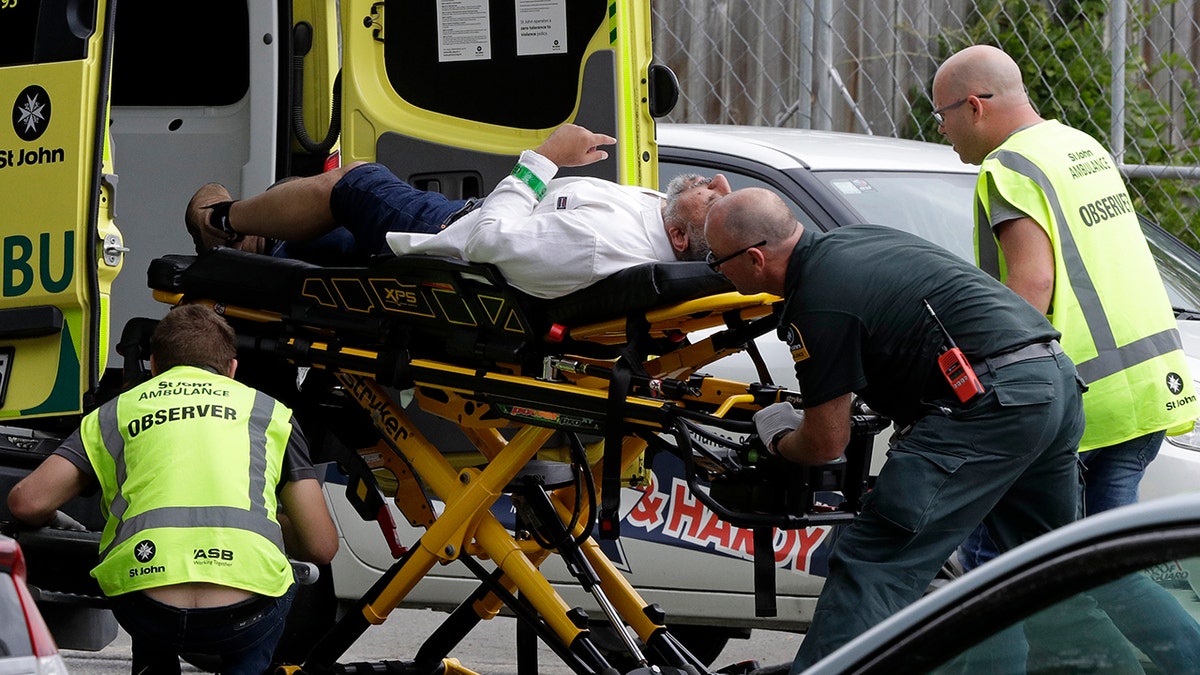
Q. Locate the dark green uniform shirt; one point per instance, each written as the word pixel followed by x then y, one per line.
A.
pixel 855 321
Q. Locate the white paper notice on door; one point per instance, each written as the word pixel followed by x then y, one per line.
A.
pixel 463 30
pixel 541 27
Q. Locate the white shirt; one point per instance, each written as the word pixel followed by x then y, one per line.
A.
pixel 582 231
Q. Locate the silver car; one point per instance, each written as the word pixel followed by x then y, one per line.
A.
pixel 672 548
pixel 26 645
pixel 835 179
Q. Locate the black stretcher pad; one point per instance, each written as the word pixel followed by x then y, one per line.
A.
pixel 396 297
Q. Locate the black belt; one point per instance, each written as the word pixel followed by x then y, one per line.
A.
pixel 1036 350
pixel 472 204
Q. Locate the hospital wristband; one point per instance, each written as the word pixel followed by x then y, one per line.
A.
pixel 523 174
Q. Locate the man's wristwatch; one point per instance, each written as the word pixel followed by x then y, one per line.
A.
pixel 773 446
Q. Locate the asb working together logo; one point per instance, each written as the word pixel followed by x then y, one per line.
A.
pixel 31 113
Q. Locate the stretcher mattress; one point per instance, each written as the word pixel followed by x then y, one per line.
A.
pixel 398 297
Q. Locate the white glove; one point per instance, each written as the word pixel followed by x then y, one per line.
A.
pixel 774 420
pixel 62 521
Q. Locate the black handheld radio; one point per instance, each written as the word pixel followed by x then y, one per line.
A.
pixel 954 365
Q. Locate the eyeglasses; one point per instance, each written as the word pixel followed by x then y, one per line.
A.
pixel 715 263
pixel 941 119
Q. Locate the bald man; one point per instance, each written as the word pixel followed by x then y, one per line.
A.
pixel 1055 223
pixel 857 318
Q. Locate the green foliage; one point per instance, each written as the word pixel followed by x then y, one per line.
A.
pixel 1063 55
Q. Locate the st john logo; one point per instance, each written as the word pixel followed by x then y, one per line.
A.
pixel 1174 383
pixel 31 113
pixel 144 551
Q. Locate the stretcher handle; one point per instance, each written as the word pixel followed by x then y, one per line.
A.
pixel 732 401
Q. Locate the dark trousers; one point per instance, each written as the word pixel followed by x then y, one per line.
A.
pixel 1007 458
pixel 240 637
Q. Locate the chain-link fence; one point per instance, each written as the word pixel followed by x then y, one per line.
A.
pixel 1122 71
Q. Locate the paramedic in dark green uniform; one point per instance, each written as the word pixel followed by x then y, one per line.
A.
pixel 202 482
pixel 855 318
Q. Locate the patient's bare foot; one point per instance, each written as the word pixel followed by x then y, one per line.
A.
pixel 205 235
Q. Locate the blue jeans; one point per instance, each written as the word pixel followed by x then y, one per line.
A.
pixel 332 249
pixel 370 201
pixel 367 203
pixel 1110 479
pixel 243 635
pixel 1113 473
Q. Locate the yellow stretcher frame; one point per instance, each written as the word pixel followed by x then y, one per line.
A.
pixel 467 530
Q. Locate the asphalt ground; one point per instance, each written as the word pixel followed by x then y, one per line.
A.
pixel 490 649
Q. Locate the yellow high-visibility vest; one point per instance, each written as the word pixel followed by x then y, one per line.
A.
pixel 188 463
pixel 1108 301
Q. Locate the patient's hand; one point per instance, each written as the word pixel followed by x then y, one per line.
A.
pixel 573 145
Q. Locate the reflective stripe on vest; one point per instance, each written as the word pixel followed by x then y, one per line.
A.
pixel 255 519
pixel 1110 358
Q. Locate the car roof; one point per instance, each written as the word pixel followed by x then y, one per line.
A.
pixel 786 148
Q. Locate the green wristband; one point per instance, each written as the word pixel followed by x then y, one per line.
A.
pixel 531 179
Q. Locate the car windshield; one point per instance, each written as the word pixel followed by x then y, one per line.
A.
pixel 937 207
pixel 1178 265
pixel 1142 622
pixel 933 206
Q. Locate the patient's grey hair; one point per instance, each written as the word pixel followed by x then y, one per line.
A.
pixel 697 242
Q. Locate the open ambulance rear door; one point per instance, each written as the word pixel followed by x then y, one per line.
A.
pixel 447 93
pixel 60 250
